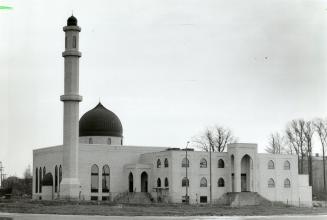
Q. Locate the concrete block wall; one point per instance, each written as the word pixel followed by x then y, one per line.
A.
pixel 195 174
pixel 46 157
pixel 299 189
pixel 159 172
pixel 116 157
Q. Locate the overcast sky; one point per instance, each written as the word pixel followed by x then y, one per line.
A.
pixel 167 68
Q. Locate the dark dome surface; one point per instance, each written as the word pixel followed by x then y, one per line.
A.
pixel 100 121
pixel 72 21
pixel 47 180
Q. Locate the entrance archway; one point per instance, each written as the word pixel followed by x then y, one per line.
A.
pixel 246 173
pixel 144 182
pixel 130 182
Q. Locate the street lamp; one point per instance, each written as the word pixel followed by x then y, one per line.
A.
pixel 187 181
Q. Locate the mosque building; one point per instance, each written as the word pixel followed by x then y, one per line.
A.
pixel 94 164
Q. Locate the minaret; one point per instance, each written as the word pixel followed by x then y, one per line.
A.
pixel 70 185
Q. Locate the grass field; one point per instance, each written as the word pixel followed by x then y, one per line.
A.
pixel 93 208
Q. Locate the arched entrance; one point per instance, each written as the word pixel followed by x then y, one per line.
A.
pixel 144 182
pixel 130 182
pixel 246 173
pixel 47 187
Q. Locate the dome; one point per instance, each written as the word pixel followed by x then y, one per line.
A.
pixel 100 121
pixel 47 180
pixel 72 21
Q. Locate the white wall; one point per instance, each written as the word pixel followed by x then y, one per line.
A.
pixel 117 157
pixel 46 157
pixel 299 189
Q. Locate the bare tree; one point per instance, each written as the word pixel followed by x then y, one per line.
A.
pixel 308 133
pixel 296 138
pixel 320 126
pixel 275 144
pixel 215 139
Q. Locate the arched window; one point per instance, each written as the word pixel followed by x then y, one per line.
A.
pixel 271 183
pixel 271 165
pixel 109 141
pixel 130 182
pixel 74 41
pixel 60 176
pixel 287 165
pixel 166 182
pixel 221 163
pixel 287 183
pixel 56 178
pixel 44 171
pixel 94 178
pixel 203 163
pixel 40 180
pixel 105 178
pixel 166 162
pixel 203 182
pixel 158 182
pixel 185 162
pixel 90 141
pixel 158 163
pixel 185 182
pixel 221 182
pixel 65 42
pixel 36 180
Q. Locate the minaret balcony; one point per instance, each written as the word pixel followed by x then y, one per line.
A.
pixel 73 53
pixel 71 97
pixel 72 28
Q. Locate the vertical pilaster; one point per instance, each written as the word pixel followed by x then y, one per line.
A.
pixel 237 173
pixel 137 180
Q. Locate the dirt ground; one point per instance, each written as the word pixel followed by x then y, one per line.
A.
pixel 94 208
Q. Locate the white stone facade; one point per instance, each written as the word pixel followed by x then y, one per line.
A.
pixel 123 160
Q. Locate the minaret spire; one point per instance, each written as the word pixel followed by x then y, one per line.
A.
pixel 70 185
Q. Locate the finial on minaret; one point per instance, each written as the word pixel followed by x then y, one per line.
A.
pixel 72 21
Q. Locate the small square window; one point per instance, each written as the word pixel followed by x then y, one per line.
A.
pixel 94 198
pixel 203 199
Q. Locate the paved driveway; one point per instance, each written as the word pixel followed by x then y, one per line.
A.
pixel 10 216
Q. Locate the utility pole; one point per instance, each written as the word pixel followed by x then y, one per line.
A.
pixel 210 175
pixel 187 181
pixel 1 174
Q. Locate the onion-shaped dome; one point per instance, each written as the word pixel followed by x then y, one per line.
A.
pixel 72 21
pixel 100 121
pixel 47 180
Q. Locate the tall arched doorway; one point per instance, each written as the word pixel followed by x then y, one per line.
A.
pixel 130 183
pixel 246 173
pixel 144 182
